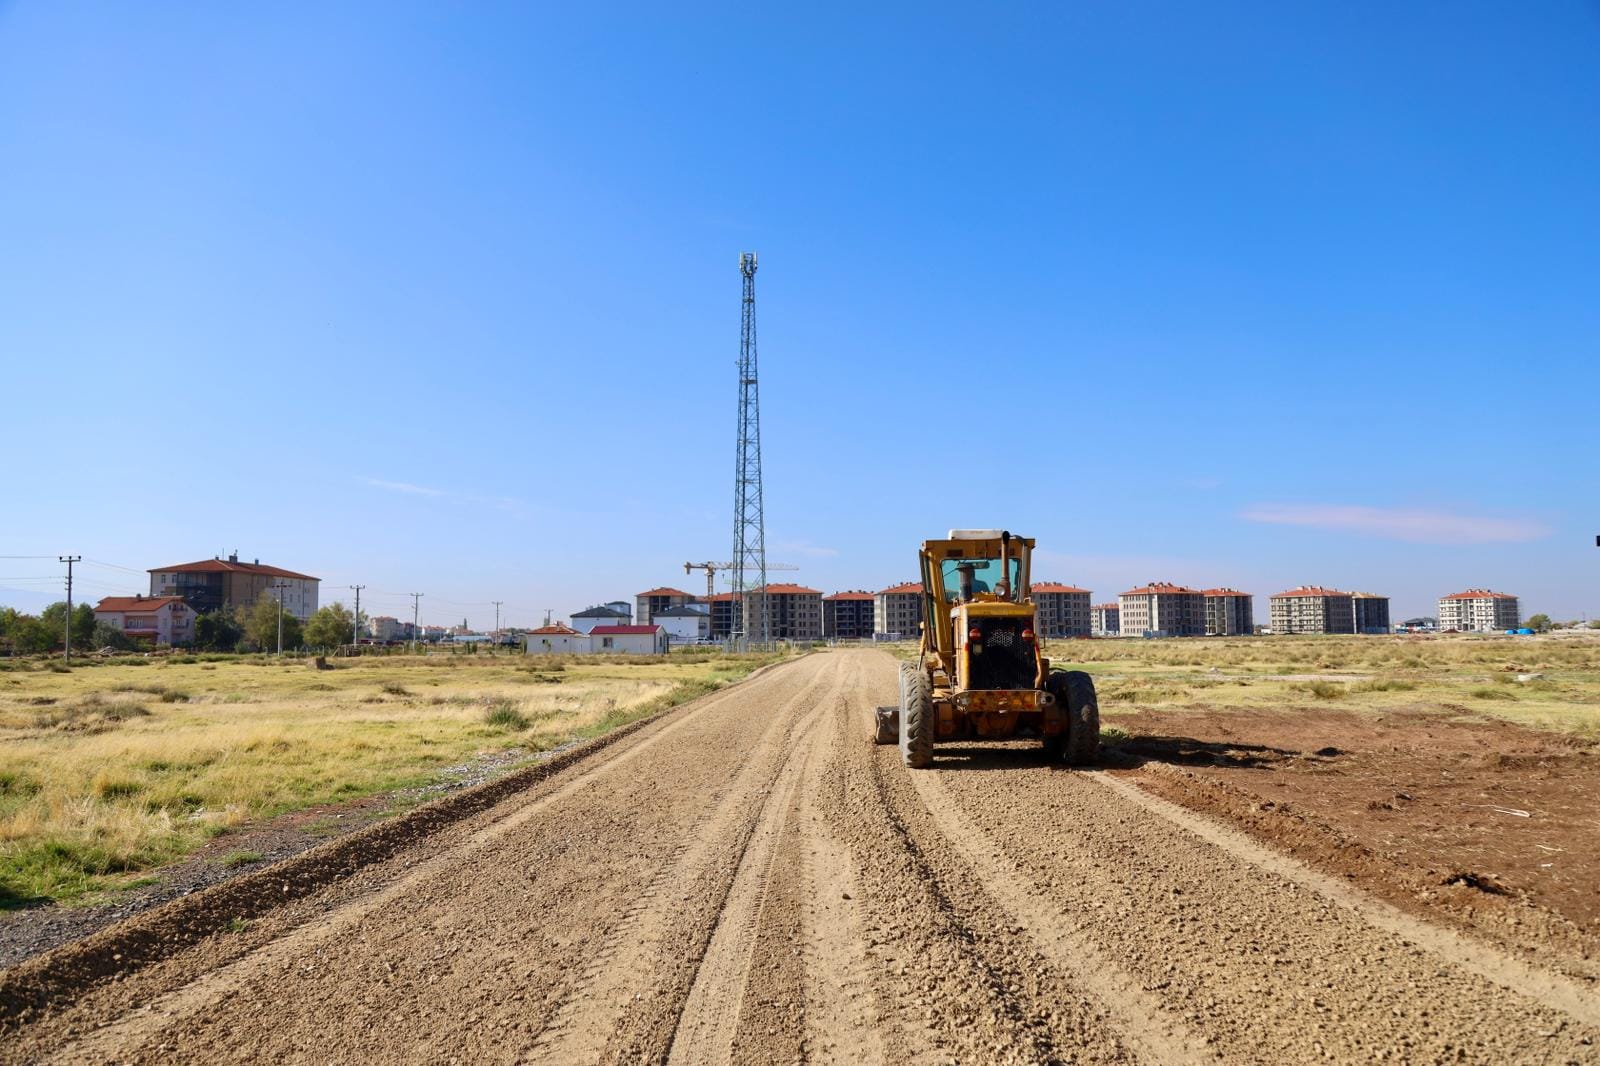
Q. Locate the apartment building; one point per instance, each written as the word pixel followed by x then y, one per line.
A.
pixel 1063 610
pixel 794 612
pixel 1162 609
pixel 1229 613
pixel 897 612
pixel 647 603
pixel 227 584
pixel 1479 611
pixel 161 620
pixel 1371 613
pixel 1105 620
pixel 1313 609
pixel 847 616
pixel 724 612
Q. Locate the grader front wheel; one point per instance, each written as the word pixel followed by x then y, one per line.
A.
pixel 916 719
pixel 1074 692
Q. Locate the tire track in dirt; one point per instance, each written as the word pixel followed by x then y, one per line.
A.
pixel 628 1006
pixel 1256 963
pixel 1548 989
pixel 963 983
pixel 731 994
pixel 1152 1033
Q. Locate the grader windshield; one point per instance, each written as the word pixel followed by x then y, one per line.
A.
pixel 985 576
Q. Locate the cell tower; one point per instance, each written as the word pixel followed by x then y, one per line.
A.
pixel 749 527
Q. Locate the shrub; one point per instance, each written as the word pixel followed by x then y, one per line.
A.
pixel 1325 690
pixel 1491 694
pixel 503 714
pixel 393 689
pixel 235 859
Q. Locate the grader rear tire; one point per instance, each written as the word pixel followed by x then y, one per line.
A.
pixel 1080 744
pixel 916 719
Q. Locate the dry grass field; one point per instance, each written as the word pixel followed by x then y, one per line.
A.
pixel 111 769
pixel 1549 682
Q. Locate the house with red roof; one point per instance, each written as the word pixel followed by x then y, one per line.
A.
pixel 163 621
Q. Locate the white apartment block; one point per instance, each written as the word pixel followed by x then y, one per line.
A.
pixel 1105 620
pixel 1162 609
pixel 897 612
pixel 1479 611
pixel 1063 610
pixel 1229 613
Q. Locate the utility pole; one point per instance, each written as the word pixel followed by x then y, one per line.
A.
pixel 69 560
pixel 749 525
pixel 416 599
pixel 355 624
pixel 280 586
pixel 497 604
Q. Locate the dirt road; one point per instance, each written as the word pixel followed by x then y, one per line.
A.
pixel 749 880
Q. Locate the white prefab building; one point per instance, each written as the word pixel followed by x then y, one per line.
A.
pixel 557 640
pixel 628 640
pixel 685 624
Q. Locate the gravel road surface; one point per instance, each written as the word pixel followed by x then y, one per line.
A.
pixel 748 879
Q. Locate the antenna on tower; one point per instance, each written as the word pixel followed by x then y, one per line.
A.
pixel 749 571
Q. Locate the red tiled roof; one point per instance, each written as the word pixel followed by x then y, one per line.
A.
pixel 664 591
pixel 623 631
pixel 792 590
pixel 1316 591
pixel 722 597
pixel 228 566
pixel 557 630
pixel 849 596
pixel 1051 586
pixel 1478 594
pixel 1165 588
pixel 1108 606
pixel 909 586
pixel 1225 592
pixel 135 603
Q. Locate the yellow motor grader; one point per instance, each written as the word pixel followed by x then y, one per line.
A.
pixel 979 674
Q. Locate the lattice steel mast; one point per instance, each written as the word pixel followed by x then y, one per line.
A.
pixel 749 530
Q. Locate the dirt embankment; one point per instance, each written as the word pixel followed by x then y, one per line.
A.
pixel 748 879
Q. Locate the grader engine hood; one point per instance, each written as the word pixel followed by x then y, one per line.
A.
pixel 999 647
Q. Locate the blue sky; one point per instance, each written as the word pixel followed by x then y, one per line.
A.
pixel 444 298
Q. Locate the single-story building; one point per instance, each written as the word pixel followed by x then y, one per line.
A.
pixel 161 620
pixel 556 639
pixel 629 640
pixel 685 624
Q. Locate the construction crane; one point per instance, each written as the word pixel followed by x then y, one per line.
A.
pixel 712 568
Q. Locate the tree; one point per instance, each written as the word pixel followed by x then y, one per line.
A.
pixel 106 635
pixel 1539 623
pixel 217 631
pixel 54 620
pixel 329 627
pixel 262 626
pixel 24 633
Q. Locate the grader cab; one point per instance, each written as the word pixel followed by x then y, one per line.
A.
pixel 979 673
